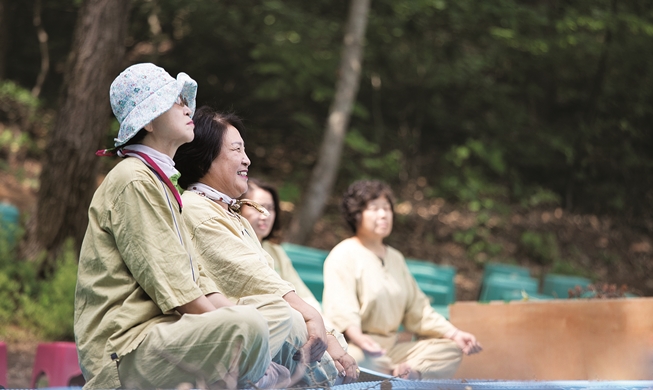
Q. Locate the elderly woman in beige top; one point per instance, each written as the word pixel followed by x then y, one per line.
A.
pixel 369 292
pixel 214 169
pixel 267 228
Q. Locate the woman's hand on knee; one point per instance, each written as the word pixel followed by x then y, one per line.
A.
pixel 347 368
pixel 465 341
pixel 317 343
pixel 345 363
pixel 356 336
pixel 370 347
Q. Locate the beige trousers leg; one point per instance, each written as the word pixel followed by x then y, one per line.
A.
pixel 279 316
pixel 287 335
pixel 229 344
pixel 433 358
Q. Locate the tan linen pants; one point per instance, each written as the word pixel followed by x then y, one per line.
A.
pixel 288 334
pixel 433 358
pixel 230 344
pixel 279 316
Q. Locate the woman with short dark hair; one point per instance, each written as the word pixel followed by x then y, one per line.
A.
pixel 215 171
pixel 369 292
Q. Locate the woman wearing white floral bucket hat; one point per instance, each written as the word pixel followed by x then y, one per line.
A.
pixel 146 315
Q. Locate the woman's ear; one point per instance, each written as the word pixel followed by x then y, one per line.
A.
pixel 148 127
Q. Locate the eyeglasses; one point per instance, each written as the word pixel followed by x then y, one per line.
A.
pixel 181 101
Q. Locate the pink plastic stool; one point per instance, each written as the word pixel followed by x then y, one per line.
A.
pixel 58 362
pixel 3 364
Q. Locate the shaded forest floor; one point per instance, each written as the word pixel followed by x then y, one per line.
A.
pixel 545 239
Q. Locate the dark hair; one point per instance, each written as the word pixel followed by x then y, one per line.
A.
pixel 358 195
pixel 275 233
pixel 136 139
pixel 193 160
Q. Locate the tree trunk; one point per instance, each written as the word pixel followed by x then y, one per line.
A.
pixel 328 161
pixel 68 179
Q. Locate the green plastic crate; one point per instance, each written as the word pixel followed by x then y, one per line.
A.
pixel 438 294
pixel 558 286
pixel 504 269
pixel 305 259
pixel 427 274
pixel 315 283
pixel 306 251
pixel 495 286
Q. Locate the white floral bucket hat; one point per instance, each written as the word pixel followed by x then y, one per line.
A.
pixel 142 92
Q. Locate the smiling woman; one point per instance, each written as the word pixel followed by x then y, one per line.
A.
pixel 369 292
pixel 214 171
pixel 201 161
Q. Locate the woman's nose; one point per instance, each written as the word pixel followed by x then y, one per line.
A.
pixel 246 160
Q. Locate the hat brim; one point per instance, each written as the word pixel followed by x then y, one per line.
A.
pixel 163 99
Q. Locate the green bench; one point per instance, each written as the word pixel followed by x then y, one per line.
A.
pixel 309 263
pixel 436 281
pixel 504 269
pixel 508 282
pixel 497 286
pixel 558 286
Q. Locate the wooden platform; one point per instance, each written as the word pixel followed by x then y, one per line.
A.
pixel 608 339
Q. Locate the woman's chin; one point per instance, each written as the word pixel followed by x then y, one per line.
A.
pixel 384 233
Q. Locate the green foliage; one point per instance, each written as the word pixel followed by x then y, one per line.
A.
pixel 469 182
pixel 535 103
pixel 568 268
pixel 369 162
pixel 541 104
pixel 357 142
pixel 44 306
pixel 51 310
pixel 17 278
pixel 10 290
pixel 542 247
pixel 289 192
pixel 477 242
pixel 538 196
pixel 477 239
pixel 23 124
pixel 12 92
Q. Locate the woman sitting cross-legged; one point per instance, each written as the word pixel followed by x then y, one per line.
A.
pixel 369 292
pixel 146 313
pixel 214 169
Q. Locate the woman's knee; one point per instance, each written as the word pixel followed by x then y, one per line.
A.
pixel 250 318
pixel 439 359
pixel 240 319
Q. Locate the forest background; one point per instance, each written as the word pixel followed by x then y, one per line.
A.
pixel 511 131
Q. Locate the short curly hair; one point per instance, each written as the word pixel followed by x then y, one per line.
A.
pixel 358 195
